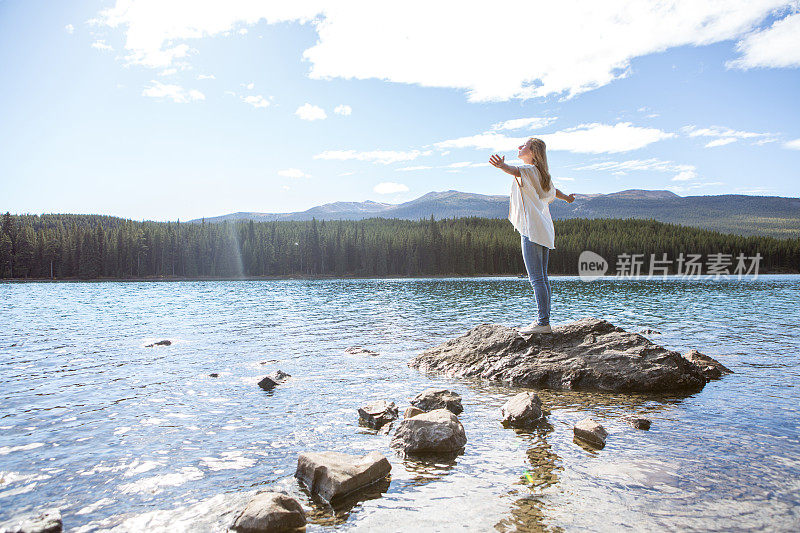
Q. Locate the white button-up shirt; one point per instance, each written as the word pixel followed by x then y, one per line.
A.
pixel 529 209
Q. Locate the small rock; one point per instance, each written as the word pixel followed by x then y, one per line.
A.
pixel 213 375
pixel 270 511
pixel 591 432
pixel 47 521
pixel 648 331
pixel 522 410
pixel 377 414
pixel 359 350
pixel 385 430
pixel 710 367
pixel 432 399
pixel 267 383
pixel 638 422
pixel 279 376
pixel 272 380
pixel 438 431
pixel 332 474
pixel 412 411
pixel 159 343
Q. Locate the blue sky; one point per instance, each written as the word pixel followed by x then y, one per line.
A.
pixel 171 109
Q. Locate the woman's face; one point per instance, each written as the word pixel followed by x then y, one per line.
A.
pixel 525 153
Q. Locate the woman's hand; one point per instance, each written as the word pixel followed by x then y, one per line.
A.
pixel 570 198
pixel 497 161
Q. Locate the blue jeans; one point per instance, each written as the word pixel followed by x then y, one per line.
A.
pixel 536 257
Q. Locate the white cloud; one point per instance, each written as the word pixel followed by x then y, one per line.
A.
pixel 101 45
pixel 206 77
pixel 693 186
pixel 389 187
pixel 575 45
pixel 775 47
pixel 249 86
pixel 792 145
pixel 725 136
pixel 176 93
pixel 343 110
pixel 160 58
pixel 530 123
pixel 411 169
pixel 69 28
pixel 376 156
pixel 168 72
pixel 586 138
pixel 310 112
pixel 256 100
pixel 620 168
pixel 721 142
pixel 346 173
pixel 293 173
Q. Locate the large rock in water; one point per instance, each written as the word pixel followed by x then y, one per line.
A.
pixel 331 475
pixel 438 431
pixel 589 354
pixel 711 368
pixel 522 410
pixel 270 511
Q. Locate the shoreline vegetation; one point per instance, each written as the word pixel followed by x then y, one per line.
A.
pixel 103 248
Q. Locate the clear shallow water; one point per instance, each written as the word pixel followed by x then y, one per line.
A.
pixel 93 422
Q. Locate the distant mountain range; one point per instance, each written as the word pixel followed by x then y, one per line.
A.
pixel 741 214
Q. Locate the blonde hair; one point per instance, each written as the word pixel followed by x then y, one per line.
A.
pixel 538 148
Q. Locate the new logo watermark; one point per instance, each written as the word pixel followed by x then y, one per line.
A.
pixel 592 266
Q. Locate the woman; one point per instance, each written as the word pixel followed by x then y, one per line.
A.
pixel 529 212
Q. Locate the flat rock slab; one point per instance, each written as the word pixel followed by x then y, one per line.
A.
pixel 46 521
pixel 522 410
pixel 331 475
pixel 360 350
pixel 432 399
pixel 438 431
pixel 589 354
pixel 591 432
pixel 377 414
pixel 270 511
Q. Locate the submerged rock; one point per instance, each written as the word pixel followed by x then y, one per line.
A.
pixel 270 511
pixel 213 375
pixel 589 354
pixel 710 367
pixel 522 410
pixel 377 414
pixel 432 399
pixel 46 521
pixel 359 350
pixel 590 432
pixel 638 422
pixel 160 343
pixel 270 381
pixel 648 331
pixel 438 431
pixel 331 475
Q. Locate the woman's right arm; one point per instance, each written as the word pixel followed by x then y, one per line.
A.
pixel 500 162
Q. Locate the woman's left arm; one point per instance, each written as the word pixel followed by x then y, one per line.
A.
pixel 569 198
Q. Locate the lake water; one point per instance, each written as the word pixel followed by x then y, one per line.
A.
pixel 120 435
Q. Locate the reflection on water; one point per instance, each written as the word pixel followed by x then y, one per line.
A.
pixel 116 434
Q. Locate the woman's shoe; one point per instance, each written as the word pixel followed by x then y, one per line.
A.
pixel 535 328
